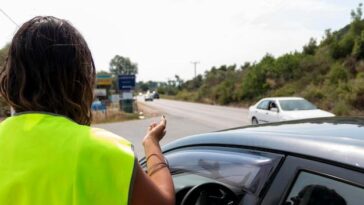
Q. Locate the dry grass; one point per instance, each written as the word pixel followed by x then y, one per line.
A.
pixel 113 114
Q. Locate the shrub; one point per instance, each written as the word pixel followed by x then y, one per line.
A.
pixel 311 47
pixel 342 48
pixel 358 101
pixel 287 90
pixel 224 93
pixel 287 66
pixel 313 93
pixel 187 96
pixel 358 50
pixel 357 93
pixel 338 73
pixel 341 108
pixel 360 75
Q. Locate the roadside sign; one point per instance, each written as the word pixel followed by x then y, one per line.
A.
pixel 128 95
pixel 126 82
pixel 114 98
pixel 104 80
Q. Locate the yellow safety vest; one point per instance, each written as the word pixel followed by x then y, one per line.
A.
pixel 49 159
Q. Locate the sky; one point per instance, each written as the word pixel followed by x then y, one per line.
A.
pixel 164 36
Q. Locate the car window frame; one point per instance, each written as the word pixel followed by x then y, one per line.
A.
pixel 291 168
pixel 267 183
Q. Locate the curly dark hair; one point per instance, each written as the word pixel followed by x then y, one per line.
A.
pixel 49 68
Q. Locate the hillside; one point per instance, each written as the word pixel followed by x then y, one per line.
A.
pixel 329 73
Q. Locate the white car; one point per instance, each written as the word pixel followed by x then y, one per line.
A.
pixel 284 108
pixel 148 97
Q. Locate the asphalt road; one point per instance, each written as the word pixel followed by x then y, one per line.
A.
pixel 183 119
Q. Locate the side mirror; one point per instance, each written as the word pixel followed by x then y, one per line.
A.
pixel 274 109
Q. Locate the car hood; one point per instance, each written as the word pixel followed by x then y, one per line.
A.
pixel 305 114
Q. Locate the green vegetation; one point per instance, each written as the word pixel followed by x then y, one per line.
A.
pixel 329 73
pixel 3 54
pixel 4 108
pixel 122 65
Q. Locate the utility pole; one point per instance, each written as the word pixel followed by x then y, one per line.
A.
pixel 195 65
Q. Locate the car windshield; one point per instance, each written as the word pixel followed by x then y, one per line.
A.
pixel 291 105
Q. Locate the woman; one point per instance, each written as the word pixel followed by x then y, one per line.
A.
pixel 49 154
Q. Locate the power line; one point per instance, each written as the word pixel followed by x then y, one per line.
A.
pixel 7 16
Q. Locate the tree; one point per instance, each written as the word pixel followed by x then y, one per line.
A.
pixel 141 86
pixel 102 72
pixel 4 108
pixel 3 54
pixel 327 38
pixel 179 81
pixel 341 48
pixel 338 73
pixel 145 86
pixel 358 50
pixel 357 14
pixel 194 84
pixel 245 66
pixel 123 65
pixel 311 47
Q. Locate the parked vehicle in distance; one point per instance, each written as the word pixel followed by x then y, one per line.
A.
pixel 97 105
pixel 278 109
pixel 312 161
pixel 155 95
pixel 148 97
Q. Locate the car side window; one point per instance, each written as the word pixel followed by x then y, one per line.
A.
pixel 244 170
pixel 312 188
pixel 263 105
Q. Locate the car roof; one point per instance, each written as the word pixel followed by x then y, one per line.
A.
pixel 282 98
pixel 336 139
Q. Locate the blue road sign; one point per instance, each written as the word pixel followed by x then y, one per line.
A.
pixel 126 82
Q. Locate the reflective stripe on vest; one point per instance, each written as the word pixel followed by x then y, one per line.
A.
pixel 48 159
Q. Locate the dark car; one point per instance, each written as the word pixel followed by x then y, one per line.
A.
pixel 155 95
pixel 318 161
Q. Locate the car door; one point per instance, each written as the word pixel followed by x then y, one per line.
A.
pixel 304 182
pixel 261 111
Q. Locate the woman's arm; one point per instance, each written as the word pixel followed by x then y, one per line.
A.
pixel 157 188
